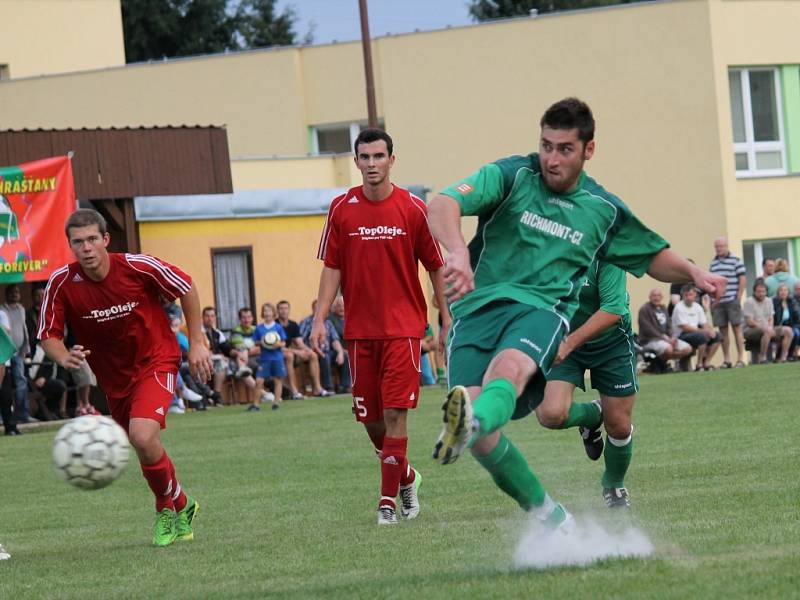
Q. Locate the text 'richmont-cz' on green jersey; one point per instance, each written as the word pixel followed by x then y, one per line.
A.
pixel 605 289
pixel 534 246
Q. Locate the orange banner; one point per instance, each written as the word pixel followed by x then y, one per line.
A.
pixel 35 200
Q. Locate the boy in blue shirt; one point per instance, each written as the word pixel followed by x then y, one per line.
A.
pixel 271 363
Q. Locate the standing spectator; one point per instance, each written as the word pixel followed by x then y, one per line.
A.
pixel 336 317
pixel 690 324
pixel 655 330
pixel 767 267
pixel 330 351
pixel 19 334
pixel 780 276
pixel 759 329
pixel 218 346
pixel 7 383
pixel 787 314
pixel 728 311
pixel 271 364
pixel 32 315
pixel 296 353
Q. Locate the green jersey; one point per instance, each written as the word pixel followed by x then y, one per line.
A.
pixel 604 290
pixel 534 246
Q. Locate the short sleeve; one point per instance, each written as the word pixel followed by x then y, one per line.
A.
pixel 611 287
pixel 168 280
pixel 479 193
pixel 740 269
pixel 678 316
pixel 747 309
pixel 328 250
pixel 702 319
pixel 425 246
pixel 633 246
pixel 258 333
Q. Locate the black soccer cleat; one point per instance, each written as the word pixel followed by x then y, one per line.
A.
pixel 593 438
pixel 616 497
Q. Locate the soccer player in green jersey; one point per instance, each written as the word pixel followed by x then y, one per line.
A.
pixel 542 222
pixel 601 341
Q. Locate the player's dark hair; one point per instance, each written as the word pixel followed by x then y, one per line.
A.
pixel 243 310
pixel 688 287
pixel 286 302
pixel 83 217
pixel 372 134
pixel 570 113
pixel 208 308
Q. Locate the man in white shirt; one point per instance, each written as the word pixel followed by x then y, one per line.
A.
pixel 690 324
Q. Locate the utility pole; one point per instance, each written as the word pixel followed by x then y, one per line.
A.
pixel 372 112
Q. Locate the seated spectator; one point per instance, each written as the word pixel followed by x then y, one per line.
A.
pixel 271 364
pixel 183 340
pixel 296 354
pixel 196 391
pixel 219 347
pixel 427 345
pixel 50 390
pixel 655 329
pixel 244 354
pixel 690 324
pixel 83 380
pixel 759 329
pixel 781 275
pixel 797 292
pixel 331 351
pixel 336 317
pixel 787 314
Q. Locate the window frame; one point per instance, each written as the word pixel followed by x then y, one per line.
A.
pixel 247 251
pixel 750 147
pixel 758 254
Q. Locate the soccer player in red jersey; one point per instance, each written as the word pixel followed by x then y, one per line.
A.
pixel 374 237
pixel 113 304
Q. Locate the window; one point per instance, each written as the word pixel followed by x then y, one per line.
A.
pixel 756 112
pixel 4 72
pixel 233 284
pixel 336 138
pixel 756 252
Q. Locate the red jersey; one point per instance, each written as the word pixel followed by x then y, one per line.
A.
pixel 376 246
pixel 121 319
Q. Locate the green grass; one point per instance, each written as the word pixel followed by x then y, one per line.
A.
pixel 288 505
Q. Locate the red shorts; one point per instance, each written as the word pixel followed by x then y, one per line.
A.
pixel 385 375
pixel 150 399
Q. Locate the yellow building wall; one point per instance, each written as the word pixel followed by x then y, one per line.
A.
pixel 39 37
pixel 301 172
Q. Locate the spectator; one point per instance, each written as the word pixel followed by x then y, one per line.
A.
pixel 197 393
pixel 7 386
pixel 655 329
pixel 51 390
pixel 427 345
pixel 336 317
pixel 219 347
pixel 729 310
pixel 767 267
pixel 83 379
pixel 759 330
pixel 32 315
pixel 331 352
pixel 271 363
pixel 245 354
pixel 787 314
pixel 797 292
pixel 780 276
pixel 183 341
pixel 690 324
pixel 19 334
pixel 296 353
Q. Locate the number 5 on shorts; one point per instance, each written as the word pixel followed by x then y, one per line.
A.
pixel 360 409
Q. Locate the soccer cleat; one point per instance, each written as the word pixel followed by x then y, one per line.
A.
pixel 409 499
pixel 387 515
pixel 276 404
pixel 253 408
pixel 183 523
pixel 593 438
pixel 559 520
pixel 616 497
pixel 4 554
pixel 165 531
pixel 457 426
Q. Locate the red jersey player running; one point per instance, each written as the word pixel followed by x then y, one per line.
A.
pixel 113 304
pixel 373 238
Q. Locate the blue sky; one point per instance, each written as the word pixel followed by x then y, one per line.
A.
pixel 339 19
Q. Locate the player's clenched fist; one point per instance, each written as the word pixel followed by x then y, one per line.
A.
pixel 318 336
pixel 458 277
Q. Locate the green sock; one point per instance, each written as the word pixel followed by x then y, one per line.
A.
pixel 511 473
pixel 583 414
pixel 617 459
pixel 495 405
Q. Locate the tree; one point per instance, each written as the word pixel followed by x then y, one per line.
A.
pixel 486 10
pixel 156 29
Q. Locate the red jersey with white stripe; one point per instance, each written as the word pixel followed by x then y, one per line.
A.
pixel 376 247
pixel 120 319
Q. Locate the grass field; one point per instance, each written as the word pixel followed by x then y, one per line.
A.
pixel 288 507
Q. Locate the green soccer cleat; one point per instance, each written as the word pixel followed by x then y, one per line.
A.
pixel 183 523
pixel 165 531
pixel 457 429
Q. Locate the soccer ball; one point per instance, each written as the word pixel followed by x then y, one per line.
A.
pixel 90 452
pixel 271 340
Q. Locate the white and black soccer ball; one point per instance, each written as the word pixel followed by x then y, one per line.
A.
pixel 90 452
pixel 271 340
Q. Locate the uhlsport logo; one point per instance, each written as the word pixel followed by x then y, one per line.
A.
pixel 112 312
pixel 378 232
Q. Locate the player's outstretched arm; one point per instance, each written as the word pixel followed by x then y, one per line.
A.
pixel 329 282
pixel 56 351
pixel 670 267
pixel 199 355
pixel 444 218
pixel 594 326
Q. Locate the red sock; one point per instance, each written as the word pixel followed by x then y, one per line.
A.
pixel 393 465
pixel 178 497
pixel 159 478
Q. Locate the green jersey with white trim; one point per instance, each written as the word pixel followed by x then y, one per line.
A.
pixel 534 246
pixel 604 290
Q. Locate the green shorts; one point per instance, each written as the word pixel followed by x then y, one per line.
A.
pixel 476 339
pixel 612 365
